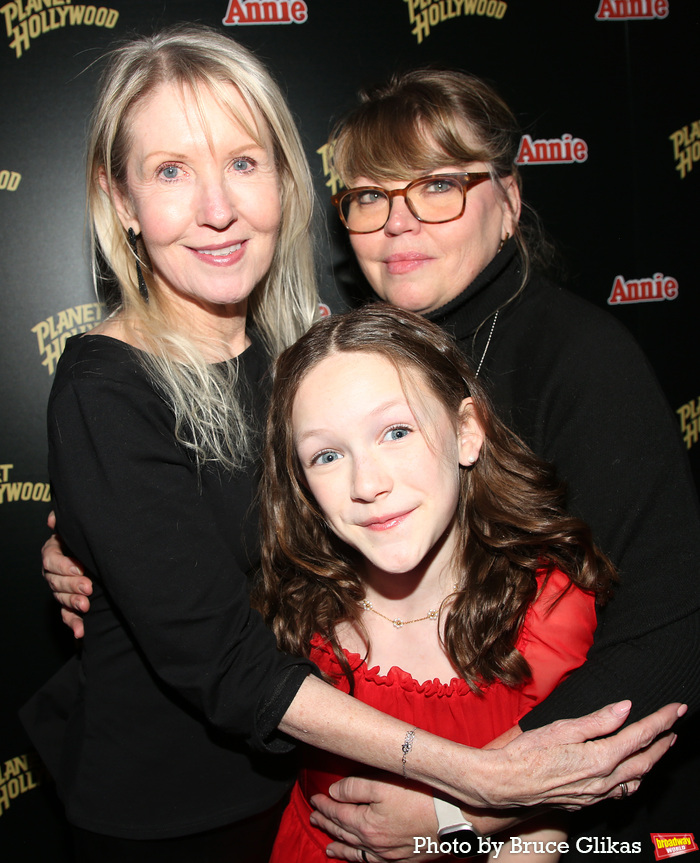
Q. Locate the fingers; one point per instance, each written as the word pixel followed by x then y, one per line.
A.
pixel 55 562
pixel 344 818
pixel 641 733
pixel 70 591
pixel 353 789
pixel 74 621
pixel 597 724
pixel 51 521
pixel 632 770
pixel 626 776
pixel 334 829
pixel 350 852
pixel 632 752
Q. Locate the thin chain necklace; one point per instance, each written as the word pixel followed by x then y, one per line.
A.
pixel 488 342
pixel 399 622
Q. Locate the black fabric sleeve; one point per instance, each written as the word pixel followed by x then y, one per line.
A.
pixel 130 505
pixel 614 441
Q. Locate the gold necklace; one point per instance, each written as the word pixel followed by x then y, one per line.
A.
pixel 399 622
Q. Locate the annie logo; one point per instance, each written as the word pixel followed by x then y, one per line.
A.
pixel 643 290
pixel 631 10
pixel 553 151
pixel 672 844
pixel 241 12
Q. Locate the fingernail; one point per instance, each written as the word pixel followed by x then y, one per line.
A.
pixel 313 820
pixel 75 571
pixel 622 708
pixel 84 589
pixel 76 605
pixel 673 740
pixel 682 710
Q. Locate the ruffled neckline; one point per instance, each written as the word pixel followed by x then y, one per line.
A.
pixel 551 585
pixel 394 677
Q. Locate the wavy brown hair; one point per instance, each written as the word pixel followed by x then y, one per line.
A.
pixel 509 511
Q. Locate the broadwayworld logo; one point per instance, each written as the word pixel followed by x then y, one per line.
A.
pixel 672 844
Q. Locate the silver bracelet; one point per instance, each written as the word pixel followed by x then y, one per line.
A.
pixel 406 748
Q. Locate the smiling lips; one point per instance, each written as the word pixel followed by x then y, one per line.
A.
pixel 386 522
pixel 223 255
pixel 405 262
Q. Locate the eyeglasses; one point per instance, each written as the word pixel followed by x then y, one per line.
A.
pixel 433 199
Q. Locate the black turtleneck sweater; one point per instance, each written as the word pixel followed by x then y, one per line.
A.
pixel 571 381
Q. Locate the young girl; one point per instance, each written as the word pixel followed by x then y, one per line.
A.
pixel 413 547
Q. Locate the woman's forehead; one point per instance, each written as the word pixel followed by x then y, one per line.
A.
pixel 200 102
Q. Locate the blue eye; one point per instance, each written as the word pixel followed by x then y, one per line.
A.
pixel 327 457
pixel 397 433
pixel 369 198
pixel 243 165
pixel 170 172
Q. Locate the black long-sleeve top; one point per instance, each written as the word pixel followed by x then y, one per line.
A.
pixel 180 684
pixel 571 381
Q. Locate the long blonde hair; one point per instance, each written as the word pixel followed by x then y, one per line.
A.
pixel 209 418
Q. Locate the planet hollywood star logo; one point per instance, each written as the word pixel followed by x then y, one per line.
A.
pixel 51 333
pixel 686 147
pixel 689 416
pixel 423 15
pixel 26 20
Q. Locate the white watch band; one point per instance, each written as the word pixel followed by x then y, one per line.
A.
pixel 450 817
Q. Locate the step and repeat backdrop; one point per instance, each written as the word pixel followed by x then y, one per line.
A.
pixel 608 96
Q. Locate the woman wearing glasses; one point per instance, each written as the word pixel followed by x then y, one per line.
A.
pixel 432 205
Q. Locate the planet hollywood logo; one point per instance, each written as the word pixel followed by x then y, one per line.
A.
pixel 689 418
pixel 17 776
pixel 686 147
pixel 51 333
pixel 423 15
pixel 21 491
pixel 246 12
pixel 26 20
pixel 333 181
pixel 9 180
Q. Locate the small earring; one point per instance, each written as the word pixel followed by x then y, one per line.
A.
pixel 504 240
pixel 143 287
pixel 471 459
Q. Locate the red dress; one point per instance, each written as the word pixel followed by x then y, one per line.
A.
pixel 553 640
